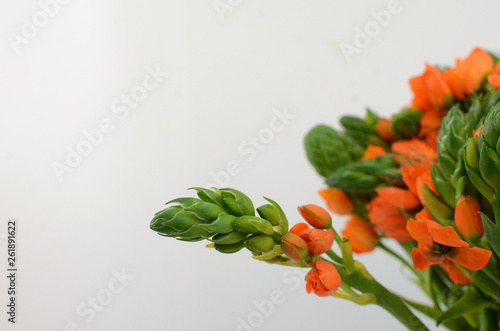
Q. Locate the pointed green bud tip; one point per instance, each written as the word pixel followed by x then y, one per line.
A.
pixel 270 213
pixel 236 202
pixel 260 243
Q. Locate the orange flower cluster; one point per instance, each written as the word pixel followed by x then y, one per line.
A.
pixel 388 210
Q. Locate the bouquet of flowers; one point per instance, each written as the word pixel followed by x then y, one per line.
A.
pixel 427 178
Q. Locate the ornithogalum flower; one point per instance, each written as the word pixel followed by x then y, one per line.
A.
pixel 467 218
pixel 415 151
pixel 361 235
pixel 316 216
pixel 318 241
pixel 436 243
pixel 337 201
pixel 468 74
pixel 323 279
pixel 431 93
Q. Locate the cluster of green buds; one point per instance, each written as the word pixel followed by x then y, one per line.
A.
pixel 363 131
pixel 327 149
pixel 482 160
pixel 406 123
pixel 366 175
pixel 226 217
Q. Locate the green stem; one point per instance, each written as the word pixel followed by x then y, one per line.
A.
pixel 496 207
pixel 488 320
pixel 334 256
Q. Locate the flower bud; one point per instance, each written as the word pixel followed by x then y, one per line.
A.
pixel 260 243
pixel 294 247
pixel 253 224
pixel 229 249
pixel 316 216
pixel 467 218
pixel 318 241
pixel 238 203
pixel 323 279
pixel 361 235
pixel 270 213
pixel 385 129
pixel 337 201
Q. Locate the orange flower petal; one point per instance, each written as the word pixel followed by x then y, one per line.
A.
pixel 372 152
pixel 423 258
pixel 361 235
pixel 467 218
pixel 337 200
pixel 455 274
pixel 410 173
pixel 446 235
pixel 420 232
pixel 398 197
pixel 473 258
pixel 298 228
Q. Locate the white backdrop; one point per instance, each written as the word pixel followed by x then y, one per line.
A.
pixel 204 77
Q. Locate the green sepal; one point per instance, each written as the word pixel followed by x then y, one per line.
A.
pixel 208 195
pixel 275 252
pixel 478 181
pixel 470 302
pixel 472 154
pixel 253 224
pixel 205 211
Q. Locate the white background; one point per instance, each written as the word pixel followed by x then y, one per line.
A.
pixel 226 77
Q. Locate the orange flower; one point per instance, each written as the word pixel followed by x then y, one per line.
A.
pixel 323 279
pixel 337 201
pixel 415 151
pixel 455 274
pixel 373 151
pixel 410 174
pixel 494 78
pixel 384 129
pixel 437 243
pixel 467 218
pixel 426 179
pixel 316 216
pixel 431 93
pixel 398 197
pixel 318 241
pixel 362 236
pixel 430 122
pixel 294 247
pixel 387 217
pixel 468 74
pixel 424 215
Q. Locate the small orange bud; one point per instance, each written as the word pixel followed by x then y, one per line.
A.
pixel 316 216
pixel 323 279
pixel 337 201
pixel 318 241
pixel 467 218
pixel 294 247
pixel 384 129
pixel 362 236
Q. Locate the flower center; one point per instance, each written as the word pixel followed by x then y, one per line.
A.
pixel 441 249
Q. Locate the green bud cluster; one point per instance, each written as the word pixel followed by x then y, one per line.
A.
pixel 226 217
pixel 327 149
pixel 406 123
pixel 367 175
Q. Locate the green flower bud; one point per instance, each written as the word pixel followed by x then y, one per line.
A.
pixel 223 224
pixel 436 207
pixel 406 123
pixel 253 224
pixel 229 249
pixel 489 166
pixel 365 176
pixel 327 149
pixel 205 211
pixel 472 154
pixel 260 243
pixel 444 187
pixel 208 195
pixel 238 203
pixel 270 213
pixel 228 238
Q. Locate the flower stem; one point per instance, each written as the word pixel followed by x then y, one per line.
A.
pixel 334 256
pixel 400 258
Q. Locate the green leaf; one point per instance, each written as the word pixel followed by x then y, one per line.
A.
pixel 469 303
pixel 492 232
